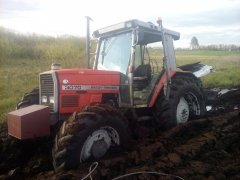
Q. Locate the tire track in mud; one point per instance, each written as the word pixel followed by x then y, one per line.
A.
pixel 200 149
pixel 204 148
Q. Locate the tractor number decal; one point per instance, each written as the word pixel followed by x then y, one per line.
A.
pixel 87 87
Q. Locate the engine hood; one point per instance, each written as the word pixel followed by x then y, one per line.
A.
pixel 86 71
pixel 88 80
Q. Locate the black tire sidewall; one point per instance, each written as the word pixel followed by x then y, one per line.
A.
pixel 74 150
pixel 29 99
pixel 183 91
pixel 165 111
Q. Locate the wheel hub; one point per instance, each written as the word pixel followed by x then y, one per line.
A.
pixel 96 145
pixel 182 111
pixel 99 149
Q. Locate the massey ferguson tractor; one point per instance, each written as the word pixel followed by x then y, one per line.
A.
pixel 98 110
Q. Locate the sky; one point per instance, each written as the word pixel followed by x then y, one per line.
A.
pixel 211 21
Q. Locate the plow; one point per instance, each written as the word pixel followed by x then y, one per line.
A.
pixel 129 116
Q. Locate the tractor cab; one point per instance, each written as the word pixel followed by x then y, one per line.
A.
pixel 136 49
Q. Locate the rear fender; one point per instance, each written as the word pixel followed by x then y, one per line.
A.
pixel 198 69
pixel 191 75
pixel 160 85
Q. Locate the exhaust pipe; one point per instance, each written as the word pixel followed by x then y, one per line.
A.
pixel 88 42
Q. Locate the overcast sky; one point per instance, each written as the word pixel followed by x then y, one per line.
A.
pixel 211 21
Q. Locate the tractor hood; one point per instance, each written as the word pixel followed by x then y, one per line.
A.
pixel 69 90
pixel 88 80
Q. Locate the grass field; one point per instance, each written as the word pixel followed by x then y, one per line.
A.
pixel 226 64
pixel 18 76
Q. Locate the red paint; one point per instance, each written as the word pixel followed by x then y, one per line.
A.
pixel 29 122
pixel 93 79
pixel 160 87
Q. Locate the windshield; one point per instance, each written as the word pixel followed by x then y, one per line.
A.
pixel 115 53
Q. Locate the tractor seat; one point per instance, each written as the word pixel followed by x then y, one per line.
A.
pixel 141 76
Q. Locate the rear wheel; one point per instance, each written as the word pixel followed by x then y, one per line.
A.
pixel 89 135
pixel 29 99
pixel 186 101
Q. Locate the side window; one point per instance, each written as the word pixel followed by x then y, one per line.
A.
pixel 146 55
pixel 115 53
pixel 155 53
pixel 138 56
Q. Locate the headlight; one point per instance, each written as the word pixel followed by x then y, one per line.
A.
pixel 51 99
pixel 44 99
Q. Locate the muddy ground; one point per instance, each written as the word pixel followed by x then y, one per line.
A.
pixel 207 148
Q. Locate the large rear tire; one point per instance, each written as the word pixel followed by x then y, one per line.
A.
pixel 186 101
pixel 29 99
pixel 89 135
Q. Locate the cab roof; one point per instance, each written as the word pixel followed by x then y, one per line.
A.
pixel 146 27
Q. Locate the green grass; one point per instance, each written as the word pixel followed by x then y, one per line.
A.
pixel 23 57
pixel 18 76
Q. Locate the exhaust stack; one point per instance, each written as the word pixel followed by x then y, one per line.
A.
pixel 88 42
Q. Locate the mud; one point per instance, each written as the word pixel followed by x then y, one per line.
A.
pixel 206 148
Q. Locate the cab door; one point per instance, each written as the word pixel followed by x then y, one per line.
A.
pixel 141 76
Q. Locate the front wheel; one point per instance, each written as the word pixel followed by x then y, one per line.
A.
pixel 89 135
pixel 186 101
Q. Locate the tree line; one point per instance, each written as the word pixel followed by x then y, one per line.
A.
pixel 32 46
pixel 194 44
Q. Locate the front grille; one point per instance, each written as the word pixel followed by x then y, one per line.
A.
pixel 47 88
pixel 70 101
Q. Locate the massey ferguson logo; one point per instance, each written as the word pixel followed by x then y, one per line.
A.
pixel 65 81
pixel 88 87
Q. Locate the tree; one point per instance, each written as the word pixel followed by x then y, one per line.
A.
pixel 194 43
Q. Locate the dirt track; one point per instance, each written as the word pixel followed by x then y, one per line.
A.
pixel 206 148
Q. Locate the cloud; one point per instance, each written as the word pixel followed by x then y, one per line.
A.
pixel 10 9
pixel 217 26
pixel 20 5
pixel 217 17
pixel 212 21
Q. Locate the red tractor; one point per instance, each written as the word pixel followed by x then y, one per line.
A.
pixel 99 108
